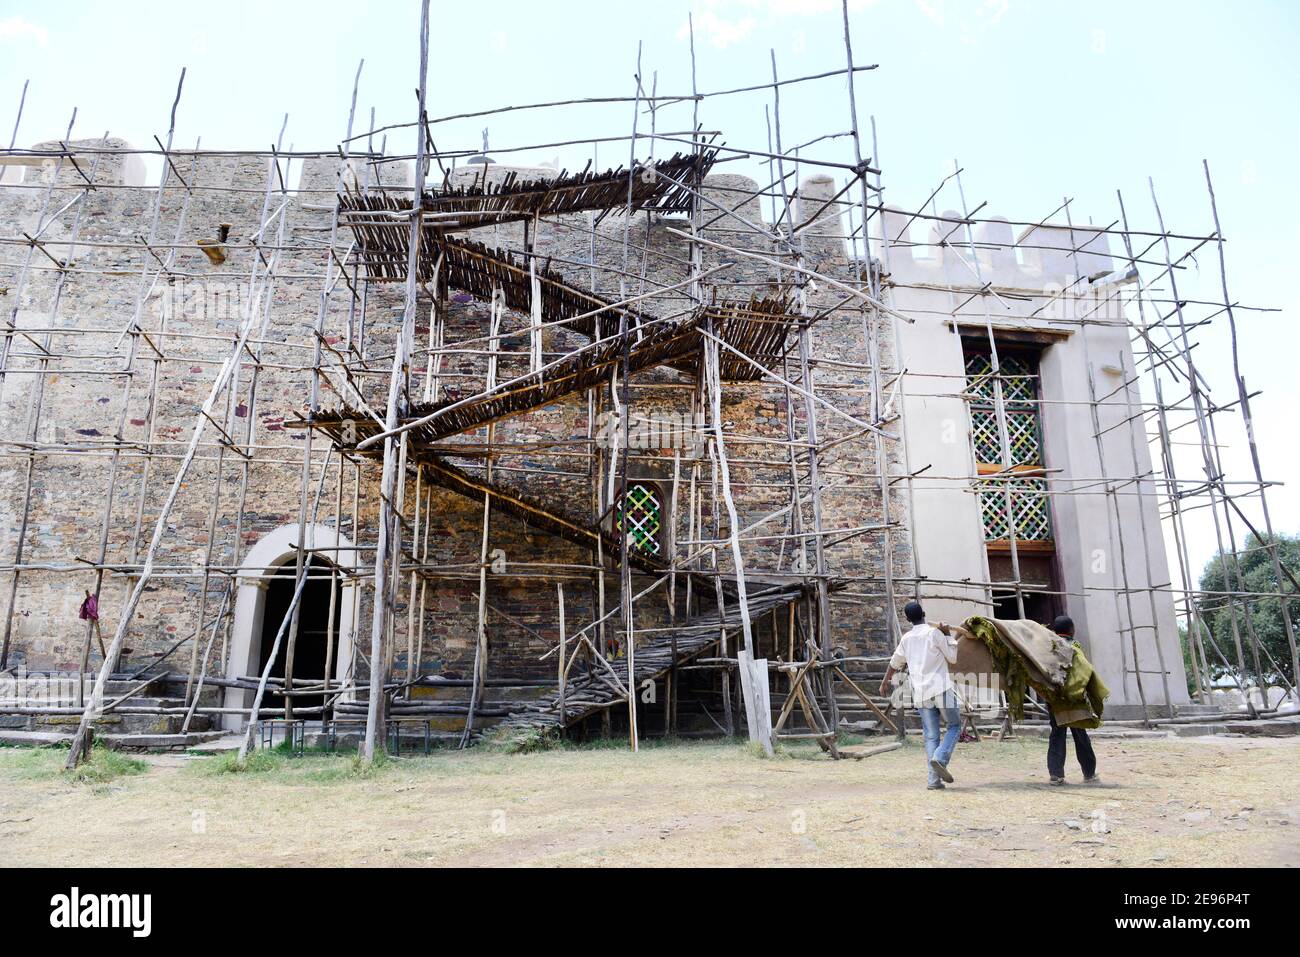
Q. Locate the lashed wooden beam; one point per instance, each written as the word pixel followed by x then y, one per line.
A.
pixel 381 221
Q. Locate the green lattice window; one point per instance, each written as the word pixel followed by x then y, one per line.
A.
pixel 1019 378
pixel 1029 500
pixel 644 507
pixel 1022 437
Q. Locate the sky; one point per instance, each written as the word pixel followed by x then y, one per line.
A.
pixel 1038 102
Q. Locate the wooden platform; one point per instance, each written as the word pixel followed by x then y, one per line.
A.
pixel 380 219
pixel 603 685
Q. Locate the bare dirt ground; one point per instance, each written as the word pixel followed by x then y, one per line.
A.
pixel 1216 801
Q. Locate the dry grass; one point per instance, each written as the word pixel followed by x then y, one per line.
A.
pixel 1217 802
pixel 42 764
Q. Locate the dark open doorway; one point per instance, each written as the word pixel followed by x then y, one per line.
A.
pixel 1038 607
pixel 313 630
pixel 1038 573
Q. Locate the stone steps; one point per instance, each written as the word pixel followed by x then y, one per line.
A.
pixel 116 722
pixel 409 740
pixel 159 742
pixel 1267 728
pixel 229 741
pixel 117 742
pixel 33 739
pixel 1044 731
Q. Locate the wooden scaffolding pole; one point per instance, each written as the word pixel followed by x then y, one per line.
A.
pixel 81 741
pixel 1248 424
pixel 389 524
pixel 823 614
pixel 870 320
pixel 33 406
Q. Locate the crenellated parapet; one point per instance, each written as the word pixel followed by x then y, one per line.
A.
pixel 71 163
pixel 935 250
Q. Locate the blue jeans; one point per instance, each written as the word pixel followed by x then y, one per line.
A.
pixel 940 751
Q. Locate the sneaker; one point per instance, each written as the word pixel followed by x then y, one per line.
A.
pixel 941 770
pixel 1095 779
pixel 1056 781
pixel 936 786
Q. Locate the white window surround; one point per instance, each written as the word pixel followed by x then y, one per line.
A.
pixel 274 550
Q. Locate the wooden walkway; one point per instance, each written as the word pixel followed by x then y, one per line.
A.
pixel 605 682
pixel 380 218
pixel 585 368
pixel 756 332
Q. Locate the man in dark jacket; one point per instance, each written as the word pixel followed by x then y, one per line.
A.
pixel 1064 627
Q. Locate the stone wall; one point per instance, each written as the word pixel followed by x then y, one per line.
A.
pixel 155 381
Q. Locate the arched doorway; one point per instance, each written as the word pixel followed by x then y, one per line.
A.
pixel 266 581
pixel 316 646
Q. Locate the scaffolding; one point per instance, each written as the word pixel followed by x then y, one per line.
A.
pixel 688 297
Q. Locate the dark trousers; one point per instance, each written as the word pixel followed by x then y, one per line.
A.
pixel 1082 750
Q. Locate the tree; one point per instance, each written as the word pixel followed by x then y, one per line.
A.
pixel 1255 568
pixel 1189 672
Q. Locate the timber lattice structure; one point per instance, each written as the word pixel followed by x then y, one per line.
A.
pixel 422 409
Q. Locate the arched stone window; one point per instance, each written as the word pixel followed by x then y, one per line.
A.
pixel 643 503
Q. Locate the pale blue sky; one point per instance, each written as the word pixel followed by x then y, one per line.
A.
pixel 1039 101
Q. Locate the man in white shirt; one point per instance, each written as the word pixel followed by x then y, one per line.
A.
pixel 926 652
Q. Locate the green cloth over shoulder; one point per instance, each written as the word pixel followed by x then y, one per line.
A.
pixel 1083 684
pixel 1076 702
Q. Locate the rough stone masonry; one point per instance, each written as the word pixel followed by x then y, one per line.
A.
pixel 121 320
